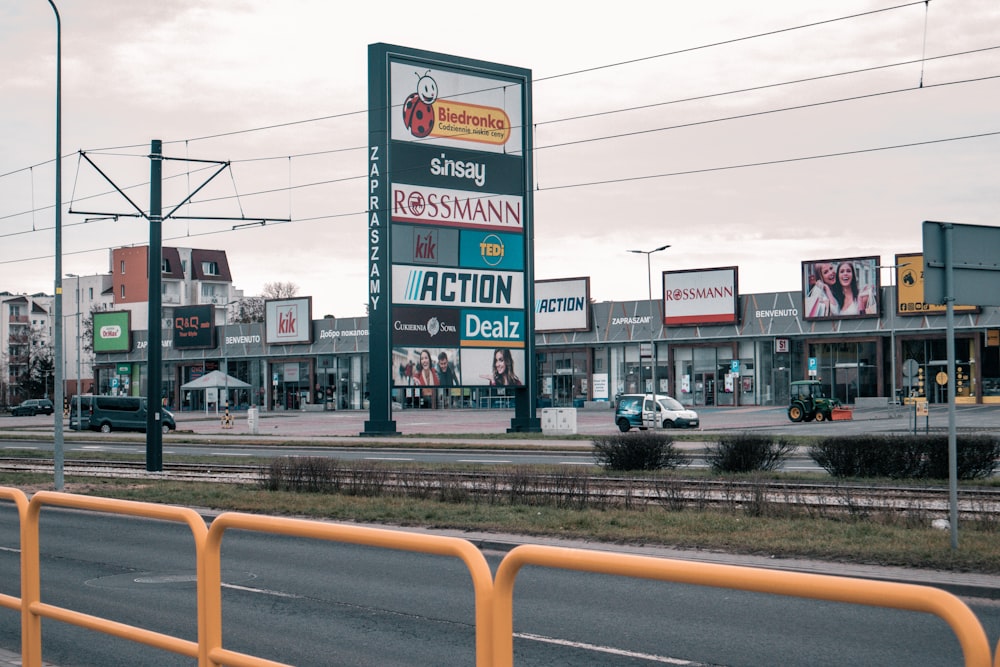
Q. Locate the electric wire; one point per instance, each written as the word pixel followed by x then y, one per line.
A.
pixel 623 179
pixel 290 187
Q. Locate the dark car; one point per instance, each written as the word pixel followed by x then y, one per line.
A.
pixel 32 407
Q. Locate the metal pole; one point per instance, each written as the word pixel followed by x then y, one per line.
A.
pixel 894 281
pixel 58 342
pixel 652 330
pixel 79 364
pixel 154 434
pixel 949 299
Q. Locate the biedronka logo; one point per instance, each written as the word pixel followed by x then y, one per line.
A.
pixel 427 116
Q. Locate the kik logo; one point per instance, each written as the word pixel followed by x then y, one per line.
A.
pixel 288 321
pixel 425 247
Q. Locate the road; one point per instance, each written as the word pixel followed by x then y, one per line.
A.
pixel 315 603
pixel 487 425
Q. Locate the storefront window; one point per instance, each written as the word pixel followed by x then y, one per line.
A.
pixel 848 369
pixel 924 369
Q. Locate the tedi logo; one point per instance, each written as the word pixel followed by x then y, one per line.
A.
pixel 473 171
pixel 491 249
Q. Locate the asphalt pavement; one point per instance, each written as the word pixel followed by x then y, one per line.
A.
pixel 485 426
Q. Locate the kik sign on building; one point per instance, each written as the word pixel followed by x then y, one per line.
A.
pixel 450 274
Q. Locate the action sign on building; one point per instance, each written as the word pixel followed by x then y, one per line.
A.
pixel 450 275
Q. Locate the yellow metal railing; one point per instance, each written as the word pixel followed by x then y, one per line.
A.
pixel 494 596
pixel 34 609
pixel 21 504
pixel 963 622
pixel 482 578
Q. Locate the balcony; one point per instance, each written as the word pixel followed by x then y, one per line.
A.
pixel 218 300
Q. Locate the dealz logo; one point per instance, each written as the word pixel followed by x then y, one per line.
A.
pixel 418 110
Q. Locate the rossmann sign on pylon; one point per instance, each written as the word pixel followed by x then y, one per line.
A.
pixel 447 140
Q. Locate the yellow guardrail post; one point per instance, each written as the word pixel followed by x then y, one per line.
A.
pixel 35 609
pixel 17 604
pixel 963 622
pixel 474 560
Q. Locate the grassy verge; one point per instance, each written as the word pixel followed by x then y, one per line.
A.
pixel 848 539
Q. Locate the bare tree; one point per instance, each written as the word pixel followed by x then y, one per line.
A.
pixel 251 308
pixel 279 290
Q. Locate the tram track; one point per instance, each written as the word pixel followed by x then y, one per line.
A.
pixel 573 488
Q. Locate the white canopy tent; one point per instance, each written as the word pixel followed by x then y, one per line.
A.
pixel 214 380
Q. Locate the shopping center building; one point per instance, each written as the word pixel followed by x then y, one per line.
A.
pixel 748 358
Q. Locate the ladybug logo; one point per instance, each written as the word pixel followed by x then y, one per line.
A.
pixel 418 110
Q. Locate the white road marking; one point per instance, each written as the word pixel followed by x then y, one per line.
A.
pixel 263 591
pixel 483 461
pixel 385 458
pixel 608 649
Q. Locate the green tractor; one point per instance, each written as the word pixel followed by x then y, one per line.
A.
pixel 808 402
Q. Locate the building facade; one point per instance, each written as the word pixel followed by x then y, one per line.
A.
pixel 26 332
pixel 751 362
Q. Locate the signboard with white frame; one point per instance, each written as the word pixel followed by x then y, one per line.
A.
pixel 562 305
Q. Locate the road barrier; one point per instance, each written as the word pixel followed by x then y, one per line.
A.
pixel 494 597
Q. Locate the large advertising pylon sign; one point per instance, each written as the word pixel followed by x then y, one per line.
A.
pixel 450 229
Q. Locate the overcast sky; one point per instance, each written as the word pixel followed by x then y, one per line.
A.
pixel 641 134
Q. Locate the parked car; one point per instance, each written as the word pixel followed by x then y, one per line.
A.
pixel 637 411
pixel 32 407
pixel 123 413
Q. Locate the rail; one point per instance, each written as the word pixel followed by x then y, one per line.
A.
pixel 494 596
pixel 578 487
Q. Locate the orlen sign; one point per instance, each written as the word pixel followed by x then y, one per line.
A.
pixel 701 296
pixel 562 305
pixel 288 321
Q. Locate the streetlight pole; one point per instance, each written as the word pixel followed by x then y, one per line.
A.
pixel 57 458
pixel 652 330
pixel 893 279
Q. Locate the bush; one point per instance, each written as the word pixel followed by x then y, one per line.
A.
pixel 906 457
pixel 748 452
pixel 642 450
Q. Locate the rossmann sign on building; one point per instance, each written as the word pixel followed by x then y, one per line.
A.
pixel 449 216
pixel 701 296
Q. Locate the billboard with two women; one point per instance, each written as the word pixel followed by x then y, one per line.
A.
pixel 840 288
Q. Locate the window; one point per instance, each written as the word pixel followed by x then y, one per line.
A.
pixel 123 267
pixel 210 268
pixel 165 265
pixel 123 291
pixel 90 292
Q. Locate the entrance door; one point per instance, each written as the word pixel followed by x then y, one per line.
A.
pixel 708 379
pixel 562 391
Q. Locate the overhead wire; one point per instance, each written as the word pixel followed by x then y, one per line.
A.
pixel 290 187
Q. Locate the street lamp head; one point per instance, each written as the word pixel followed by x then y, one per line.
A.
pixel 650 252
